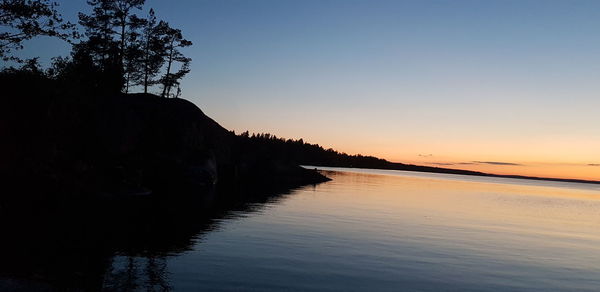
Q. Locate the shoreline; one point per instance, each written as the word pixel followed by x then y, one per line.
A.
pixel 467 173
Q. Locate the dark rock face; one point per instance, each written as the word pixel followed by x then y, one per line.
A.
pixel 126 145
pixel 121 144
pixel 160 143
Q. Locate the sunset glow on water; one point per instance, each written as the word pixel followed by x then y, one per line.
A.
pixel 371 230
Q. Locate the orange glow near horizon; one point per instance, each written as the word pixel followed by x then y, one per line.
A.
pixel 539 157
pixel 564 167
pixel 538 160
pixel 552 157
pixel 550 170
pixel 519 136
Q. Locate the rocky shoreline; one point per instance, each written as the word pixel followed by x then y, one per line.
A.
pixel 128 145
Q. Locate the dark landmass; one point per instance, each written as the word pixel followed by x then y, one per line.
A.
pixel 299 152
pixel 73 145
pixel 89 176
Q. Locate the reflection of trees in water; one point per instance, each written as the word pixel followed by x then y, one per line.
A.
pixel 137 273
pixel 115 248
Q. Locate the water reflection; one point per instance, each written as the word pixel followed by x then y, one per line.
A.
pixel 147 273
pixel 365 231
pixel 113 245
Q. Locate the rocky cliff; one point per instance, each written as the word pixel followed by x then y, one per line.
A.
pixel 136 144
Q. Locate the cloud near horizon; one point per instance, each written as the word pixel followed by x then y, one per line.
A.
pixel 593 164
pixel 485 162
pixel 497 163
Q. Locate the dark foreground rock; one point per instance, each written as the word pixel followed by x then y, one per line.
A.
pixel 126 145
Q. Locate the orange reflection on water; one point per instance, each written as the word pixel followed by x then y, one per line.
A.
pixel 487 215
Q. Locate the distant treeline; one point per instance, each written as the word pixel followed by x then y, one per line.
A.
pixel 299 152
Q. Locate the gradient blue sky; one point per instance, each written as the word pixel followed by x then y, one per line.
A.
pixel 464 81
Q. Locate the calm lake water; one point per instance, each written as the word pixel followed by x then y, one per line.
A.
pixel 370 230
pixel 366 230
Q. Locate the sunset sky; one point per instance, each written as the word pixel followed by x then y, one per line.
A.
pixel 508 87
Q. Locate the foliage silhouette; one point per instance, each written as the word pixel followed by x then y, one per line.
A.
pixel 117 51
pixel 26 19
pixel 175 41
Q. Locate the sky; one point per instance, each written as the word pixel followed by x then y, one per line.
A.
pixel 507 87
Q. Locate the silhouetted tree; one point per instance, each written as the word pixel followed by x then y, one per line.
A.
pixel 120 50
pixel 124 19
pixel 78 72
pixel 133 54
pixel 25 19
pixel 99 30
pixel 126 26
pixel 175 41
pixel 112 30
pixel 152 46
pixel 101 44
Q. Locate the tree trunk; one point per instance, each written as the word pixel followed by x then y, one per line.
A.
pixel 169 90
pixel 146 73
pixel 146 81
pixel 123 25
pixel 167 82
pixel 122 49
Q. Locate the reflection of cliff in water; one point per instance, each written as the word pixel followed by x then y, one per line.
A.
pixel 109 246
